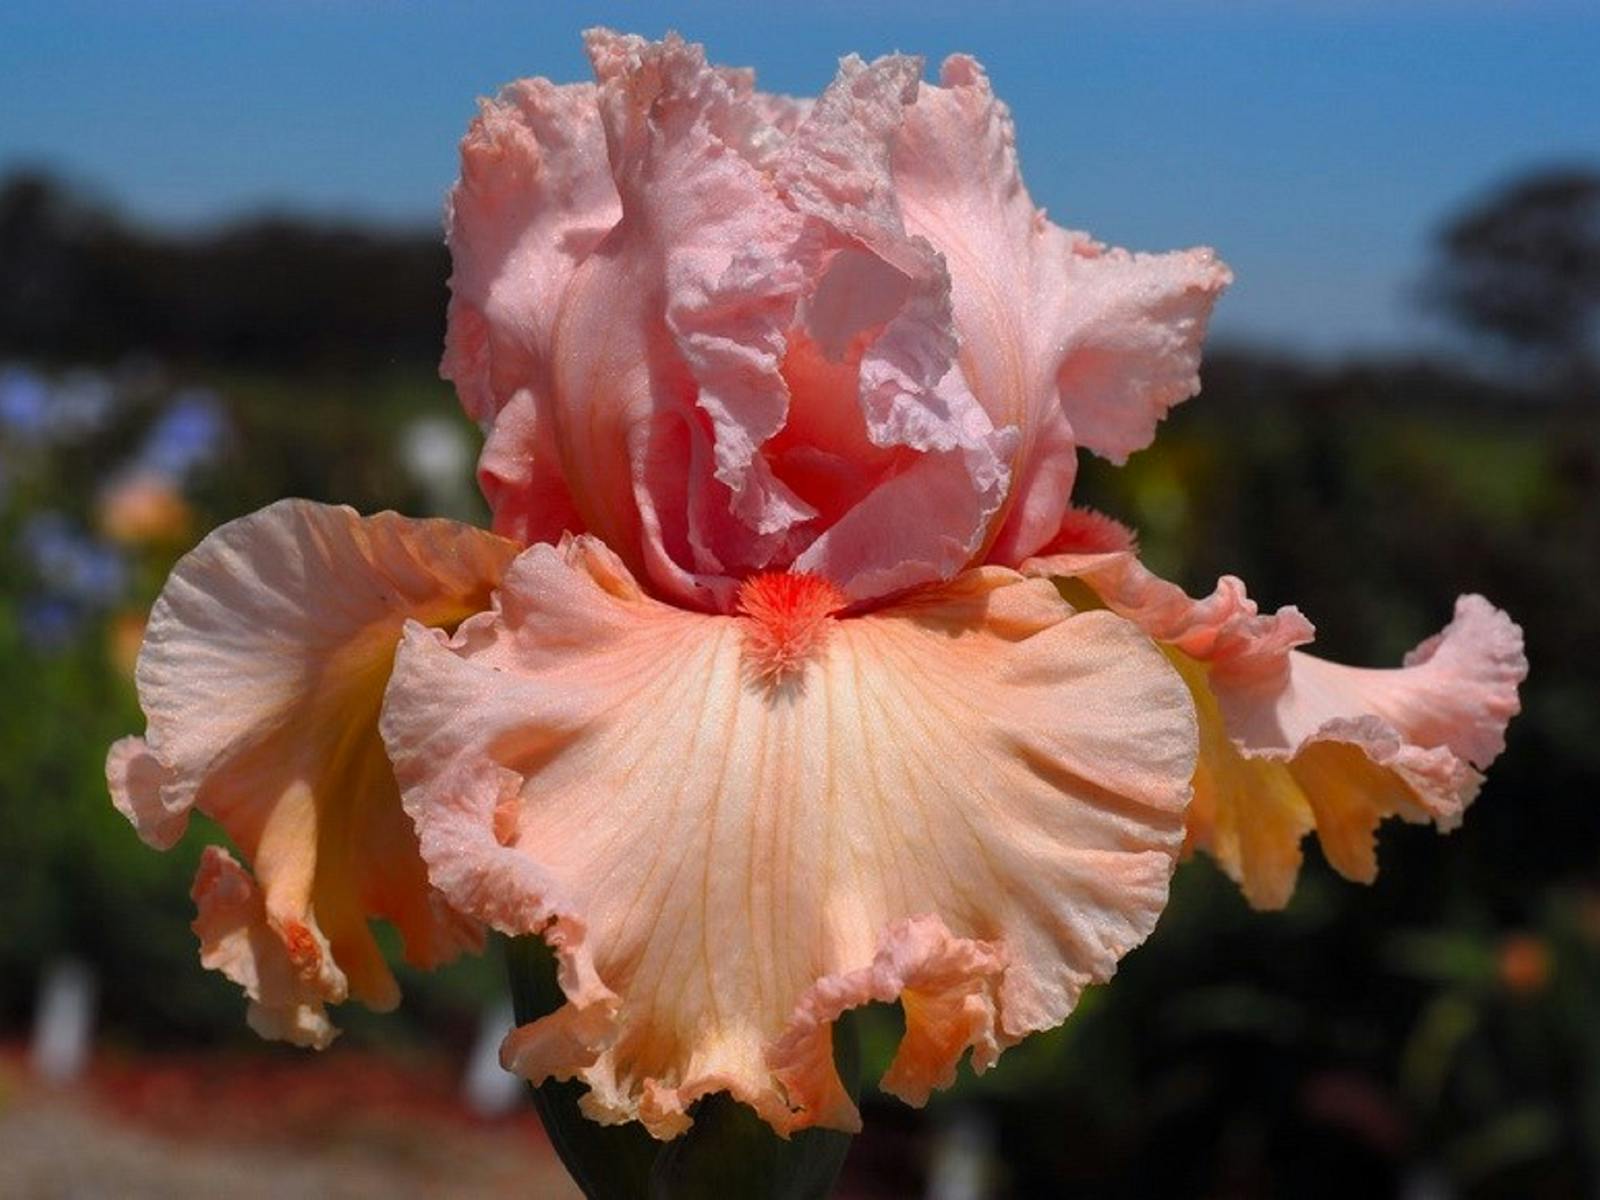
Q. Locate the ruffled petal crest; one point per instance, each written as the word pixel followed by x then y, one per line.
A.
pixel 1069 341
pixel 1291 742
pixel 756 333
pixel 534 199
pixel 287 1002
pixel 970 801
pixel 882 302
pixel 261 677
pixel 669 349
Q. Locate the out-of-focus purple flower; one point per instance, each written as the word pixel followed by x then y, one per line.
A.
pixel 79 404
pixel 71 564
pixel 49 622
pixel 33 410
pixel 186 436
pixel 24 403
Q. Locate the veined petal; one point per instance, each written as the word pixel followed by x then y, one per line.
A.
pixel 261 677
pixel 1290 742
pixel 970 801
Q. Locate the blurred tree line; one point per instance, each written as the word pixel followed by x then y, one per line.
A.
pixel 1436 1034
pixel 78 283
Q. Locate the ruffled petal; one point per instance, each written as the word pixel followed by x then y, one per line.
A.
pixel 1129 328
pixel 288 988
pixel 534 199
pixel 1224 630
pixel 138 782
pixel 882 302
pixel 1071 342
pixel 1290 742
pixel 669 350
pixel 970 802
pixel 261 677
pixel 755 332
pixel 760 252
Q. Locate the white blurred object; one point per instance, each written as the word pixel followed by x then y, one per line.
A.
pixel 489 1089
pixel 963 1154
pixel 436 453
pixel 63 1025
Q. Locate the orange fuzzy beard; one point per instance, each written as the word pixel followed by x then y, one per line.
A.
pixel 788 615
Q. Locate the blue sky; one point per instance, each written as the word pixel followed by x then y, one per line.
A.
pixel 1315 145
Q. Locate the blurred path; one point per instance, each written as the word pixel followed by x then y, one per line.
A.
pixel 83 1143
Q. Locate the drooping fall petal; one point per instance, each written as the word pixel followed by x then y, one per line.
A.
pixel 1291 742
pixel 261 677
pixel 970 801
pixel 288 1003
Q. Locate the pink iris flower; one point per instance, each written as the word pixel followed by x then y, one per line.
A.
pixel 789 680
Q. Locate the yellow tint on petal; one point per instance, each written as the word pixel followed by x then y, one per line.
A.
pixel 1290 742
pixel 969 802
pixel 262 675
pixel 1248 813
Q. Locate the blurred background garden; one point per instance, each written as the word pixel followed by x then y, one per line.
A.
pixel 189 331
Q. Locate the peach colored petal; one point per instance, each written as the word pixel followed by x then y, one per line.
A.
pixel 1290 742
pixel 1458 690
pixel 137 781
pixel 1225 629
pixel 1248 813
pixel 261 676
pixel 534 199
pixel 1073 343
pixel 970 801
pixel 287 1000
pixel 670 343
pixel 760 333
pixel 883 302
pixel 949 989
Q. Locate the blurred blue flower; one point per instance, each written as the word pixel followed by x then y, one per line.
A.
pixel 186 436
pixel 49 622
pixel 71 564
pixel 80 404
pixel 24 403
pixel 35 411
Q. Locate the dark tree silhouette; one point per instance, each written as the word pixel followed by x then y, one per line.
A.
pixel 77 282
pixel 1523 266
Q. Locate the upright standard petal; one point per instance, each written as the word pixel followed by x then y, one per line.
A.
pixel 1071 342
pixel 1290 742
pixel 881 307
pixel 670 344
pixel 534 199
pixel 733 828
pixel 261 677
pixel 832 336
